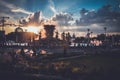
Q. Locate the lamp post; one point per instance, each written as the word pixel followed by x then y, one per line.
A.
pixel 88 36
pixel 105 29
pixel 3 22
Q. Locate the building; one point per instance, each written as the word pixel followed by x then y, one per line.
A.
pixel 19 36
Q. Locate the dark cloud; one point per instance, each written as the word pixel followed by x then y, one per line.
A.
pixel 105 16
pixel 36 19
pixel 8 9
pixel 63 19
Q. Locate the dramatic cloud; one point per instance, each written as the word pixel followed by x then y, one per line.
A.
pixel 105 16
pixel 63 19
pixel 34 19
pixel 66 14
pixel 21 10
pixel 12 11
pixel 13 8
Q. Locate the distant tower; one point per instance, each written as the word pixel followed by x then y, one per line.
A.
pixel 49 30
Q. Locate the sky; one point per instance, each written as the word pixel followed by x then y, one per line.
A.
pixel 70 15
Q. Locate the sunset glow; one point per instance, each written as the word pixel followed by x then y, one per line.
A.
pixel 33 29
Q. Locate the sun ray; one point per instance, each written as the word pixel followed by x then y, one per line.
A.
pixel 33 29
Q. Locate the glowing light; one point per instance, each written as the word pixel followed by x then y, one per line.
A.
pixel 43 52
pixel 33 29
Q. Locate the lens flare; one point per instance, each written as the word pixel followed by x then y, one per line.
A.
pixel 33 29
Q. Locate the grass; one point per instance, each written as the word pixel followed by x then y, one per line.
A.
pixel 88 67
